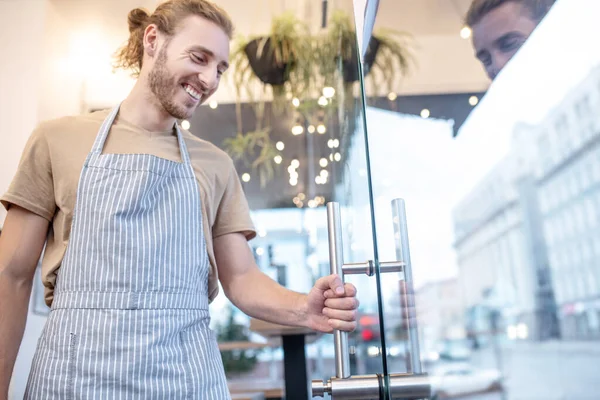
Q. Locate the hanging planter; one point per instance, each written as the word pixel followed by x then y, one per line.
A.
pixel 350 66
pixel 264 63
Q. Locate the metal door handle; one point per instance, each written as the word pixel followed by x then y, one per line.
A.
pixel 343 386
pixel 413 359
pixel 336 263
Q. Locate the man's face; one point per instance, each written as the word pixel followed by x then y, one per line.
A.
pixel 188 67
pixel 500 34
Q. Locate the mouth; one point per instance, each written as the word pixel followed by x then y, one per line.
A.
pixel 193 93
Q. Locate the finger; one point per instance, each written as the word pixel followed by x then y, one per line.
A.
pixel 344 303
pixel 342 325
pixel 342 315
pixel 409 315
pixel 331 282
pixel 349 290
pixel 407 302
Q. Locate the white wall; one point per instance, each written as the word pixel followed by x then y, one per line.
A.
pixel 21 34
pixel 22 37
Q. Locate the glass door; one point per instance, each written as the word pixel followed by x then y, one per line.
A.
pixel 382 358
pixel 479 203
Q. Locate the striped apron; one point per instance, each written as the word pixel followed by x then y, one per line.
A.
pixel 130 316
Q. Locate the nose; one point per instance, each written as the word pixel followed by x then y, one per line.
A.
pixel 498 63
pixel 209 79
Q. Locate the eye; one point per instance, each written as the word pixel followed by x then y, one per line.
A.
pixel 511 43
pixel 198 58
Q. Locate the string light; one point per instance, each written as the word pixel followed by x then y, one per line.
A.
pixel 465 32
pixel 328 92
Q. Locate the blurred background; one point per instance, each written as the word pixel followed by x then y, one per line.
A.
pixel 501 181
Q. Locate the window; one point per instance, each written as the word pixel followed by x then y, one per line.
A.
pixel 591 281
pixel 590 212
pixel 544 153
pixel 591 169
pixel 581 286
pixel 576 254
pixel 586 250
pixel 581 218
pixel 561 127
pixel 597 246
pixel 559 292
pixel 573 186
pixel 582 108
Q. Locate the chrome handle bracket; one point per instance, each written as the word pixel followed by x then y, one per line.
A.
pixel 368 267
pixel 363 387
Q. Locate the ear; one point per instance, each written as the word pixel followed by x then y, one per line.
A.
pixel 151 40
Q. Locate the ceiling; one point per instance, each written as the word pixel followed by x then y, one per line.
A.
pixel 420 17
pixel 444 62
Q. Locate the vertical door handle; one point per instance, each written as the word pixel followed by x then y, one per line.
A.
pixel 343 386
pixel 413 359
pixel 336 264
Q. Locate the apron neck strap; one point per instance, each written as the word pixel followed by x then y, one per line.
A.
pixel 105 129
pixel 185 156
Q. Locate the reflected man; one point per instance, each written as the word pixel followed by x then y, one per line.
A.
pixel 501 27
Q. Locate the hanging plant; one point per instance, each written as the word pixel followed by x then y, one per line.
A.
pixel 394 59
pixel 293 63
pixel 339 49
pixel 254 150
pixel 277 59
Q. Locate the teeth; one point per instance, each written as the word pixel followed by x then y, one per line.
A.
pixel 192 92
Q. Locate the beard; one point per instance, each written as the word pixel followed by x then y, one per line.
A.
pixel 164 87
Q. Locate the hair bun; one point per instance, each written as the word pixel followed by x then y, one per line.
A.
pixel 137 18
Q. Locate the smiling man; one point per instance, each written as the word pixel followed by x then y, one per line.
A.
pixel 140 220
pixel 501 27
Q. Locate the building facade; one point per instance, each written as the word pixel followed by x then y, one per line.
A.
pixel 528 235
pixel 567 171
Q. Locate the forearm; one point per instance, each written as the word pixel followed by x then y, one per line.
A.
pixel 14 301
pixel 258 296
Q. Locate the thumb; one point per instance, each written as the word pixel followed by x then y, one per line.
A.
pixel 333 282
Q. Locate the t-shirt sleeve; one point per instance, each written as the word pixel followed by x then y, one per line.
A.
pixel 233 212
pixel 32 187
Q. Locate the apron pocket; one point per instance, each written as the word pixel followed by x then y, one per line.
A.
pixel 185 349
pixel 203 364
pixel 53 369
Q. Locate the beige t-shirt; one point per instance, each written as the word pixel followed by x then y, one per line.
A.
pixel 48 175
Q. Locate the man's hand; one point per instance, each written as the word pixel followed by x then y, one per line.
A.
pixel 331 305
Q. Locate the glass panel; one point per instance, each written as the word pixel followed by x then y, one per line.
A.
pixel 315 149
pixel 501 189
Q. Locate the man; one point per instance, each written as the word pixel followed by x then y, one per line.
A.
pixel 501 27
pixel 144 218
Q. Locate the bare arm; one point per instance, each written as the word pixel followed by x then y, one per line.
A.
pixel 260 297
pixel 249 289
pixel 21 244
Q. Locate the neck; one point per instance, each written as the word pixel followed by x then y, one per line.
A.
pixel 143 109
